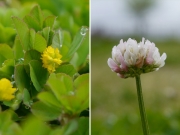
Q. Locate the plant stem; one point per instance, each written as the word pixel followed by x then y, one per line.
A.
pixel 141 106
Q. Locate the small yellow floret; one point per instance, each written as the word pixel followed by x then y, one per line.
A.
pixel 51 59
pixel 6 90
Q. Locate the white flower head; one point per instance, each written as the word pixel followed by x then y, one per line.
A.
pixel 131 58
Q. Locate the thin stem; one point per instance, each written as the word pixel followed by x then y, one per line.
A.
pixel 141 106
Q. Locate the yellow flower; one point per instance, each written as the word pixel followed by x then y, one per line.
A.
pixel 6 90
pixel 51 59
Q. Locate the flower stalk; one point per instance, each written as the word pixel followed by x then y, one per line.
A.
pixel 141 106
pixel 131 59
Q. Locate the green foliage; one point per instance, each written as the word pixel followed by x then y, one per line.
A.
pixel 78 40
pixel 38 74
pixel 45 112
pixel 67 69
pixel 73 96
pixel 6 52
pixel 56 99
pixel 33 125
pixel 7 125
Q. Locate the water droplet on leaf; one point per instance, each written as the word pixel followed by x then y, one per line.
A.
pixel 26 107
pixel 22 59
pixel 83 30
pixel 71 93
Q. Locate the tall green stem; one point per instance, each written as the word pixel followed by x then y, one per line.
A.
pixel 141 106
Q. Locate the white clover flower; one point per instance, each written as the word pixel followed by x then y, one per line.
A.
pixel 131 58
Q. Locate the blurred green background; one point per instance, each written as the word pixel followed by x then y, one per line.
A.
pixel 71 15
pixel 114 100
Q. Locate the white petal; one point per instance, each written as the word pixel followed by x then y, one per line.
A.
pixel 162 59
pixel 164 56
pixel 114 67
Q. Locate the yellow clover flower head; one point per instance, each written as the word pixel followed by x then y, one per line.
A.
pixel 51 58
pixel 6 90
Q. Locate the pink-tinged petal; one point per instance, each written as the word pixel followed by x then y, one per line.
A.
pixel 123 64
pixel 114 67
pixel 120 75
pixel 149 60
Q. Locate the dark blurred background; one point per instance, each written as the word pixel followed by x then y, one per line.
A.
pixel 114 101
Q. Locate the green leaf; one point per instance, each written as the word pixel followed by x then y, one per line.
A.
pixel 63 51
pixel 31 55
pixel 18 53
pixel 7 33
pixel 57 40
pixel 46 34
pixel 67 39
pixel 36 13
pixel 6 51
pixel 81 79
pixel 49 99
pixel 60 84
pixel 21 78
pixel 27 98
pixel 83 126
pixel 45 112
pixel 62 41
pixel 67 69
pixel 38 74
pixel 84 68
pixel 33 126
pixel 78 101
pixel 66 44
pixel 51 34
pixel 49 21
pixel 7 70
pixel 39 43
pixel 82 97
pixel 7 126
pixel 23 32
pixel 57 131
pixel 2 59
pixel 74 104
pixel 32 23
pixel 78 40
pixel 67 22
pixel 74 99
pixel 81 54
pixel 71 128
pixel 66 80
pixel 32 35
